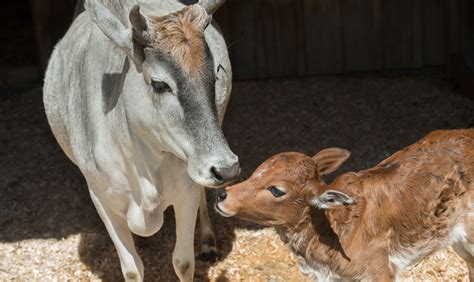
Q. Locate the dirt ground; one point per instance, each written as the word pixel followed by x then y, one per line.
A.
pixel 49 229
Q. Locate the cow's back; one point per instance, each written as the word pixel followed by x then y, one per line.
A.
pixel 62 95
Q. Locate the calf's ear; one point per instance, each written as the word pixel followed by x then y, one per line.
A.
pixel 332 199
pixel 328 160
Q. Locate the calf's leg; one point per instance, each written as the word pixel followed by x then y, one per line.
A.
pixel 466 251
pixel 470 266
pixel 130 262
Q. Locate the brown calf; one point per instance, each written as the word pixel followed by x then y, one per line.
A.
pixel 372 224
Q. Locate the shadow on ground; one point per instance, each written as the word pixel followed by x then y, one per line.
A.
pixel 43 195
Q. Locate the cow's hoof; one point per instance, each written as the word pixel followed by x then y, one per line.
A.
pixel 209 256
pixel 131 276
pixel 208 251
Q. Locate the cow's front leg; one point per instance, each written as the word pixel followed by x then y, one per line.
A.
pixel 208 251
pixel 186 213
pixel 130 262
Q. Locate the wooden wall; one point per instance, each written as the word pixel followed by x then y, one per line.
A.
pixel 278 38
pixel 460 44
pixel 52 19
pixel 275 38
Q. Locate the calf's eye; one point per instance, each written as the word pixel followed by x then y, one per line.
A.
pixel 160 87
pixel 276 192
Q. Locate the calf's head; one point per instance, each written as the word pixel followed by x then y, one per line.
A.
pixel 281 188
pixel 169 97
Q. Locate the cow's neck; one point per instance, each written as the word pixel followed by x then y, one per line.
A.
pixel 134 146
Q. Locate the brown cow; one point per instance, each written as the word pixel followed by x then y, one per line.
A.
pixel 367 225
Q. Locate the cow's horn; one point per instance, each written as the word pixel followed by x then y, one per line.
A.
pixel 211 5
pixel 137 20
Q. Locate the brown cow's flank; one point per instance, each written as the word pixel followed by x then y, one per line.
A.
pixel 417 201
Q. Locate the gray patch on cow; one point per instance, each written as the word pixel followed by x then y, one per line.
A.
pixel 112 87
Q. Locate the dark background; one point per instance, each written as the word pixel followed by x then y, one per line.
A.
pixel 288 38
pixel 369 76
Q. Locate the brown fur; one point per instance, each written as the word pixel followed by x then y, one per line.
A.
pixel 408 204
pixel 179 35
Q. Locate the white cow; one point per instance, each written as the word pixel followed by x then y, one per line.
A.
pixel 135 94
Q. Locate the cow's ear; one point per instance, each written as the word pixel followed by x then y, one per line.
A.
pixel 332 199
pixel 139 35
pixel 116 31
pixel 109 24
pixel 328 160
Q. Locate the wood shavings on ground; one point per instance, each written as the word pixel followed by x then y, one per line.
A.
pixel 265 258
pixel 43 260
pixel 257 255
pixel 441 266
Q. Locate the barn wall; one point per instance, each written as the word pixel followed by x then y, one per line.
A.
pixel 460 44
pixel 277 38
pixel 52 19
pixel 274 38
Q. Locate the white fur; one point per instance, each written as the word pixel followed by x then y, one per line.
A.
pixel 134 157
pixel 458 233
pixel 400 260
pixel 470 209
pixel 320 273
pixel 317 203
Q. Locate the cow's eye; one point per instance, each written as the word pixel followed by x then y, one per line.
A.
pixel 160 86
pixel 276 192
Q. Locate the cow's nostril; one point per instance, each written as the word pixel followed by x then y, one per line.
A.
pixel 216 174
pixel 221 195
pixel 225 173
